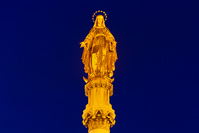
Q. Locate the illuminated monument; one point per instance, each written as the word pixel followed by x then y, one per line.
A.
pixel 99 57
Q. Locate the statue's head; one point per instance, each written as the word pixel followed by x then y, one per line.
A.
pixel 99 21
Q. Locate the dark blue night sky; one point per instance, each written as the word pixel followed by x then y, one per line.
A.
pixel 156 87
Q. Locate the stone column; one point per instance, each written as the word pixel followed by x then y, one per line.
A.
pixel 98 116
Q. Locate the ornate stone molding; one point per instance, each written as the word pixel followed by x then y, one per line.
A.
pixel 99 119
pixel 99 82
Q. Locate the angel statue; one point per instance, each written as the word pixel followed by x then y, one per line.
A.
pixel 99 55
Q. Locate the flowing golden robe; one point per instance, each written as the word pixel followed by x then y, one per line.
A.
pixel 99 55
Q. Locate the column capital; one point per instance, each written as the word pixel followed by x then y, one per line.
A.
pixel 99 82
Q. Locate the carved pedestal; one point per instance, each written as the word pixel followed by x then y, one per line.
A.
pixel 98 116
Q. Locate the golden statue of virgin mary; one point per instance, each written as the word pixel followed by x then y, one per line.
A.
pixel 99 55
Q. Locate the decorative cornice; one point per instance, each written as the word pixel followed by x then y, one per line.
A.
pixel 99 82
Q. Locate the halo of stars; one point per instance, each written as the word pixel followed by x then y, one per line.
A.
pixel 99 11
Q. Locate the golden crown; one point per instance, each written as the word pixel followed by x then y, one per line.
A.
pixel 97 13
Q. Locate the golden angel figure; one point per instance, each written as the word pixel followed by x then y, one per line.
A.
pixel 99 55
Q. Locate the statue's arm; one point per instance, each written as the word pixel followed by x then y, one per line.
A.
pixel 87 42
pixel 111 39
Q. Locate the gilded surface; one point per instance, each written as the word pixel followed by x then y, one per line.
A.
pixel 99 55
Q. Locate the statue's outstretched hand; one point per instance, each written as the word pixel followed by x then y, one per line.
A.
pixel 82 44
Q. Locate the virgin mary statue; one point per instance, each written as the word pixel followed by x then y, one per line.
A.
pixel 99 55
